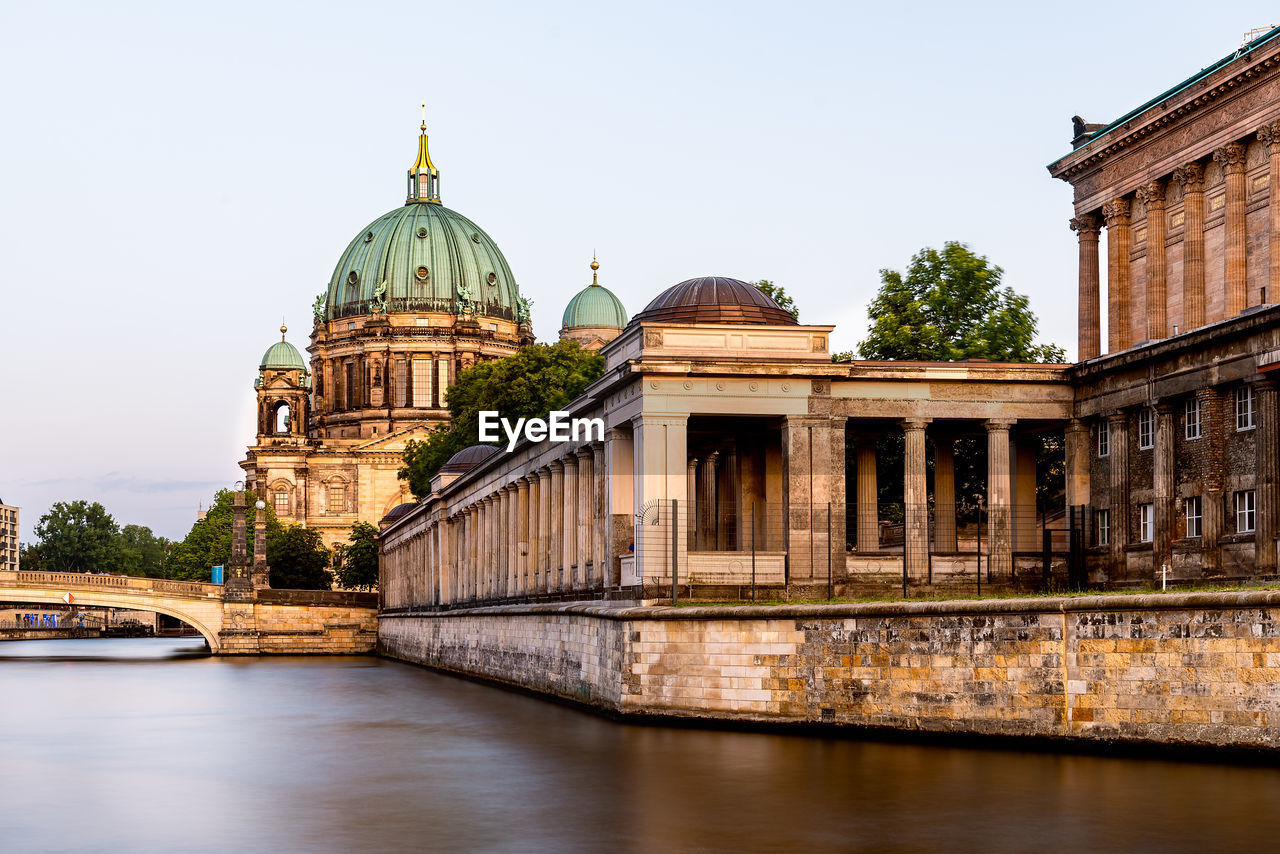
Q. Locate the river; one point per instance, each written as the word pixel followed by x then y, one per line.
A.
pixel 149 745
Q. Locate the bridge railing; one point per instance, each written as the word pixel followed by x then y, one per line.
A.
pixel 23 578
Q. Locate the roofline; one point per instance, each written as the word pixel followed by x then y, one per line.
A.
pixel 1240 53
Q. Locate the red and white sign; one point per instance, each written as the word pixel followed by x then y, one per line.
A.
pixel 68 598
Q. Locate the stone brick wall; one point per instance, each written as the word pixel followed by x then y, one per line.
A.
pixel 266 629
pixel 1180 668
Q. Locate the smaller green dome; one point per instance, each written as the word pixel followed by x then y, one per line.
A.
pixel 594 306
pixel 282 356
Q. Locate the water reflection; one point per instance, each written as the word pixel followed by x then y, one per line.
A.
pixel 145 745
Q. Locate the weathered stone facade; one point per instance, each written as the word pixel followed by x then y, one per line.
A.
pixel 1196 669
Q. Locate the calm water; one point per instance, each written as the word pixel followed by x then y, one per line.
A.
pixel 145 745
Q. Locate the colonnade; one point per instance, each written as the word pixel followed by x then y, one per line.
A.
pixel 1116 214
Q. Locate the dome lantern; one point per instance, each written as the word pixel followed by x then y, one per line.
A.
pixel 594 316
pixel 424 178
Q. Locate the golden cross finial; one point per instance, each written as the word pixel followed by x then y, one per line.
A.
pixel 595 265
pixel 424 113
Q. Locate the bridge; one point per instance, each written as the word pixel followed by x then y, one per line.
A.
pixel 289 622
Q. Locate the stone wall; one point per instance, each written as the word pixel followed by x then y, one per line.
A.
pixel 280 629
pixel 1196 669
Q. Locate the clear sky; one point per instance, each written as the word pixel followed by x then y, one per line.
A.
pixel 179 177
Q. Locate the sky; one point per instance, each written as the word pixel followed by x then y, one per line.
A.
pixel 179 178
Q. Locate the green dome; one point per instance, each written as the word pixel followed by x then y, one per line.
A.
pixel 425 253
pixel 282 356
pixel 594 306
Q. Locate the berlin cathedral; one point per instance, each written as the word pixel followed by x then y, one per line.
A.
pixel 418 295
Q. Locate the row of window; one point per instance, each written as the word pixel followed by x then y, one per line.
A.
pixel 1193 515
pixel 1246 419
pixel 337 500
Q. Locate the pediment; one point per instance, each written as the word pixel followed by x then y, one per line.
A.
pixel 395 441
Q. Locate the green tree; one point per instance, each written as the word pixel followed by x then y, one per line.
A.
pixel 355 563
pixel 950 306
pixel 79 536
pixel 527 384
pixel 208 543
pixel 298 559
pixel 779 294
pixel 141 552
pixel 31 557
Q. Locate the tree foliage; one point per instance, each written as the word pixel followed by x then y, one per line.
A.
pixel 950 306
pixel 780 296
pixel 355 563
pixel 142 553
pixel 208 543
pixel 298 559
pixel 79 536
pixel 527 384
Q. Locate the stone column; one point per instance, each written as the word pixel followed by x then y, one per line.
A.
pixel 602 524
pixel 1079 452
pixel 569 559
pixel 522 537
pixel 1191 177
pixel 868 497
pixel 944 495
pixel 513 539
pixel 1152 195
pixel 1119 331
pixel 1118 423
pixel 1162 488
pixel 915 499
pixel 545 489
pixel 533 562
pixel 707 504
pixel 1267 480
pixel 813 476
pixel 473 557
pixel 555 544
pixel 1023 455
pixel 695 504
pixel 1231 156
pixel 444 552
pixel 586 516
pixel 1087 227
pixel 732 515
pixel 999 493
pixel 483 542
pixel 1270 136
pixel 1212 423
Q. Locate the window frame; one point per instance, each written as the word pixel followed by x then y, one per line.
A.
pixel 1190 406
pixel 1246 511
pixel 276 500
pixel 1146 429
pixel 1246 409
pixel 1146 523
pixel 1193 525
pixel 1104 440
pixel 1102 522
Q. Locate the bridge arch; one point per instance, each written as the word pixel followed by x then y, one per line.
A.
pixel 198 605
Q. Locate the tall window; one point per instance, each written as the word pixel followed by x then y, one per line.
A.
pixel 444 379
pixel 402 383
pixel 422 383
pixel 1146 430
pixel 1244 511
pixel 1104 439
pixel 1244 408
pixel 1191 421
pixel 280 501
pixel 1193 512
pixel 337 497
pixel 348 386
pixel 1103 520
pixel 1145 523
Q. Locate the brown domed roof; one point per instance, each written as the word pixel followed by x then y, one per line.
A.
pixel 468 458
pixel 397 512
pixel 714 299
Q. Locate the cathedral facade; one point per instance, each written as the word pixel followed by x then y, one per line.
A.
pixel 418 295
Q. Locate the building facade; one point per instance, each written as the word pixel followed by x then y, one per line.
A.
pixel 8 537
pixel 419 294
pixel 1172 455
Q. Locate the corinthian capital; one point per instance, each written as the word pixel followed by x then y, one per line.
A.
pixel 1231 156
pixel 1116 212
pixel 1270 134
pixel 1086 225
pixel 1191 177
pixel 1151 194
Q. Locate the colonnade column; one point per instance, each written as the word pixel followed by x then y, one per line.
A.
pixel 868 497
pixel 1267 479
pixel 999 493
pixel 706 503
pixel 534 559
pixel 1211 502
pixel 484 547
pixel 1089 320
pixel 1119 333
pixel 522 536
pixel 695 505
pixel 1162 488
pixel 1078 455
pixel 544 531
pixel 602 516
pixel 1270 135
pixel 446 559
pixel 555 544
pixel 571 524
pixel 1118 452
pixel 473 562
pixel 510 547
pixel 1231 156
pixel 915 498
pixel 944 494
pixel 586 516
pixel 1152 195
pixel 731 515
pixel 1191 177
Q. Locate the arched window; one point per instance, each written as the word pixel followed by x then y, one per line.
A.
pixel 281 418
pixel 337 497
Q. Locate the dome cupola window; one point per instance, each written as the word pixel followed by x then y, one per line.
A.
pixel 424 178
